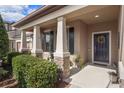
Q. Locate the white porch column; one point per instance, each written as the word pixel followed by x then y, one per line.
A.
pixel 121 48
pixel 61 55
pixel 23 46
pixel 37 48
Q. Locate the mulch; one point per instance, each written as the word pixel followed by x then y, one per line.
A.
pixel 62 84
pixel 12 83
pixel 9 83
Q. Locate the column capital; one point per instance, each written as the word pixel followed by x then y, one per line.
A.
pixel 61 19
pixel 36 26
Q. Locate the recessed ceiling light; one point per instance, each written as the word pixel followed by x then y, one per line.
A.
pixel 96 16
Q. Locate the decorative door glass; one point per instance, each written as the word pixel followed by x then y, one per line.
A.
pixel 101 47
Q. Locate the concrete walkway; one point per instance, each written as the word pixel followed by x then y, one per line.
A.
pixel 90 77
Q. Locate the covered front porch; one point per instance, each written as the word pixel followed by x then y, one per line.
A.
pixel 91 32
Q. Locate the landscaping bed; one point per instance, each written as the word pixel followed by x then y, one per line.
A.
pixel 4 74
pixel 6 66
pixel 9 83
pixel 26 71
pixel 12 83
pixel 62 84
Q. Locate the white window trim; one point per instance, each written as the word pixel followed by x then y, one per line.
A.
pixel 110 49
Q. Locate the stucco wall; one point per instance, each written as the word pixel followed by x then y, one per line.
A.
pixel 12 45
pixel 83 42
pixel 105 26
pixel 80 39
pixel 83 38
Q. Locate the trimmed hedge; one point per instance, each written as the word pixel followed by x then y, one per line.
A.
pixel 7 64
pixel 34 72
pixel 11 55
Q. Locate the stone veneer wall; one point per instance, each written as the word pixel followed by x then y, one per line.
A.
pixel 64 65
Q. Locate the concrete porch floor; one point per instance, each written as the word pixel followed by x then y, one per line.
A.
pixel 91 77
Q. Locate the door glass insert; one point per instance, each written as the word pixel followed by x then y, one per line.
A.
pixel 101 47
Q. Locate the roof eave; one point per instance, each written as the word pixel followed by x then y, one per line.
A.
pixel 30 15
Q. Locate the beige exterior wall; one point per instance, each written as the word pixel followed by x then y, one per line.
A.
pixel 28 43
pixel 80 39
pixel 83 32
pixel 83 42
pixel 105 26
pixel 12 46
pixel 83 38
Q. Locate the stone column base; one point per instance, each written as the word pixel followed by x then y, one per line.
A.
pixel 23 50
pixel 37 53
pixel 64 65
pixel 46 55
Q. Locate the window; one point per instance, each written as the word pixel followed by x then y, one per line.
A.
pixel 28 45
pixel 18 45
pixel 48 41
pixel 70 39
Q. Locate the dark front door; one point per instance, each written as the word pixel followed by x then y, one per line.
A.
pixel 101 47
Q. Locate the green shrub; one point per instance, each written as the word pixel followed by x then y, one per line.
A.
pixel 79 62
pixel 11 55
pixel 4 41
pixel 5 59
pixel 7 64
pixel 3 74
pixel 34 72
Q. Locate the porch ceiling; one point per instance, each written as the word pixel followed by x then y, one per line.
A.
pixel 95 14
pixel 87 15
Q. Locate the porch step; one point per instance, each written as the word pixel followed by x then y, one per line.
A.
pixel 9 83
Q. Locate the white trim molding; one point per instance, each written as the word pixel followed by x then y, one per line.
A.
pixel 110 49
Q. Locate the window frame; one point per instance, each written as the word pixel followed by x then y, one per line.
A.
pixel 68 41
pixel 44 43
